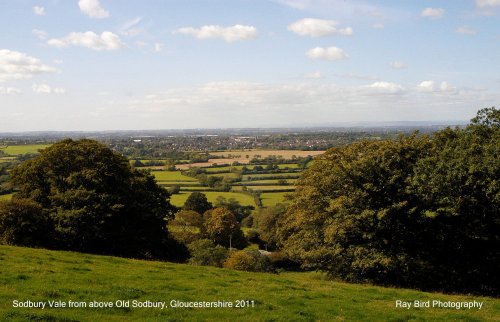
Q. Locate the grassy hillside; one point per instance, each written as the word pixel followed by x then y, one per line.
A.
pixel 41 275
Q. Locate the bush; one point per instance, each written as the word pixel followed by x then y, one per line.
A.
pixel 248 260
pixel 204 252
pixel 23 223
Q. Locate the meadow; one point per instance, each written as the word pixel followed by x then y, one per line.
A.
pixel 22 149
pixel 244 199
pixel 43 275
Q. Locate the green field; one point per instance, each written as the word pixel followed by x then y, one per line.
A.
pixel 267 175
pixel 23 149
pixel 6 197
pixel 171 176
pixel 264 188
pixel 244 199
pixel 42 275
pixel 270 199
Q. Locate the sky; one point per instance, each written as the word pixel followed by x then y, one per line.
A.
pixel 86 65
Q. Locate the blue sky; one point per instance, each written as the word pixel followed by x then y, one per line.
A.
pixel 159 64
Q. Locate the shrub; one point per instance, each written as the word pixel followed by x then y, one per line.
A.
pixel 248 260
pixel 23 223
pixel 204 252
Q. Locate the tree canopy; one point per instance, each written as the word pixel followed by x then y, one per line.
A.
pixel 418 211
pixel 96 202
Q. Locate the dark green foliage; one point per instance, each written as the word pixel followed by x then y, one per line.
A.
pixel 96 202
pixel 205 252
pixel 416 212
pixel 198 202
pixel 267 223
pixel 248 260
pixel 241 212
pixel 221 226
pixel 23 223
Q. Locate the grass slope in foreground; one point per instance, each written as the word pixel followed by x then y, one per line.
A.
pixel 42 275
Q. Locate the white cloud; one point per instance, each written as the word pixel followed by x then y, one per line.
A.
pixel 464 30
pixel 487 3
pixel 39 11
pixel 330 53
pixel 229 34
pixel 318 28
pixel 17 65
pixel 106 41
pixel 430 86
pixel 219 103
pixel 158 47
pixel 9 90
pixel 130 28
pixel 314 75
pixel 40 34
pixel 433 13
pixel 386 87
pixel 92 8
pixel 445 87
pixel 378 26
pixel 427 86
pixel 46 89
pixel 397 65
pixel 356 76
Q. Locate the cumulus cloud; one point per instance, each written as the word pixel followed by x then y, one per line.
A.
pixel 40 34
pixel 223 103
pixel 105 41
pixel 397 65
pixel 47 89
pixel 387 87
pixel 93 9
pixel 464 30
pixel 158 47
pixel 9 90
pixel 229 34
pixel 427 86
pixel 433 13
pixel 329 53
pixel 17 65
pixel 431 86
pixel 39 11
pixel 487 3
pixel 318 28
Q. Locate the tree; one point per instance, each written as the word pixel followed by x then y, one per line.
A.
pixel 353 216
pixel 418 212
pixel 459 182
pixel 233 205
pixel 222 227
pixel 23 223
pixel 205 252
pixel 267 222
pixel 97 202
pixel 198 202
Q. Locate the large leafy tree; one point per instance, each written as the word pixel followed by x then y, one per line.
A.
pixel 221 226
pixel 459 183
pixel 197 201
pixel 352 214
pixel 420 212
pixel 96 202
